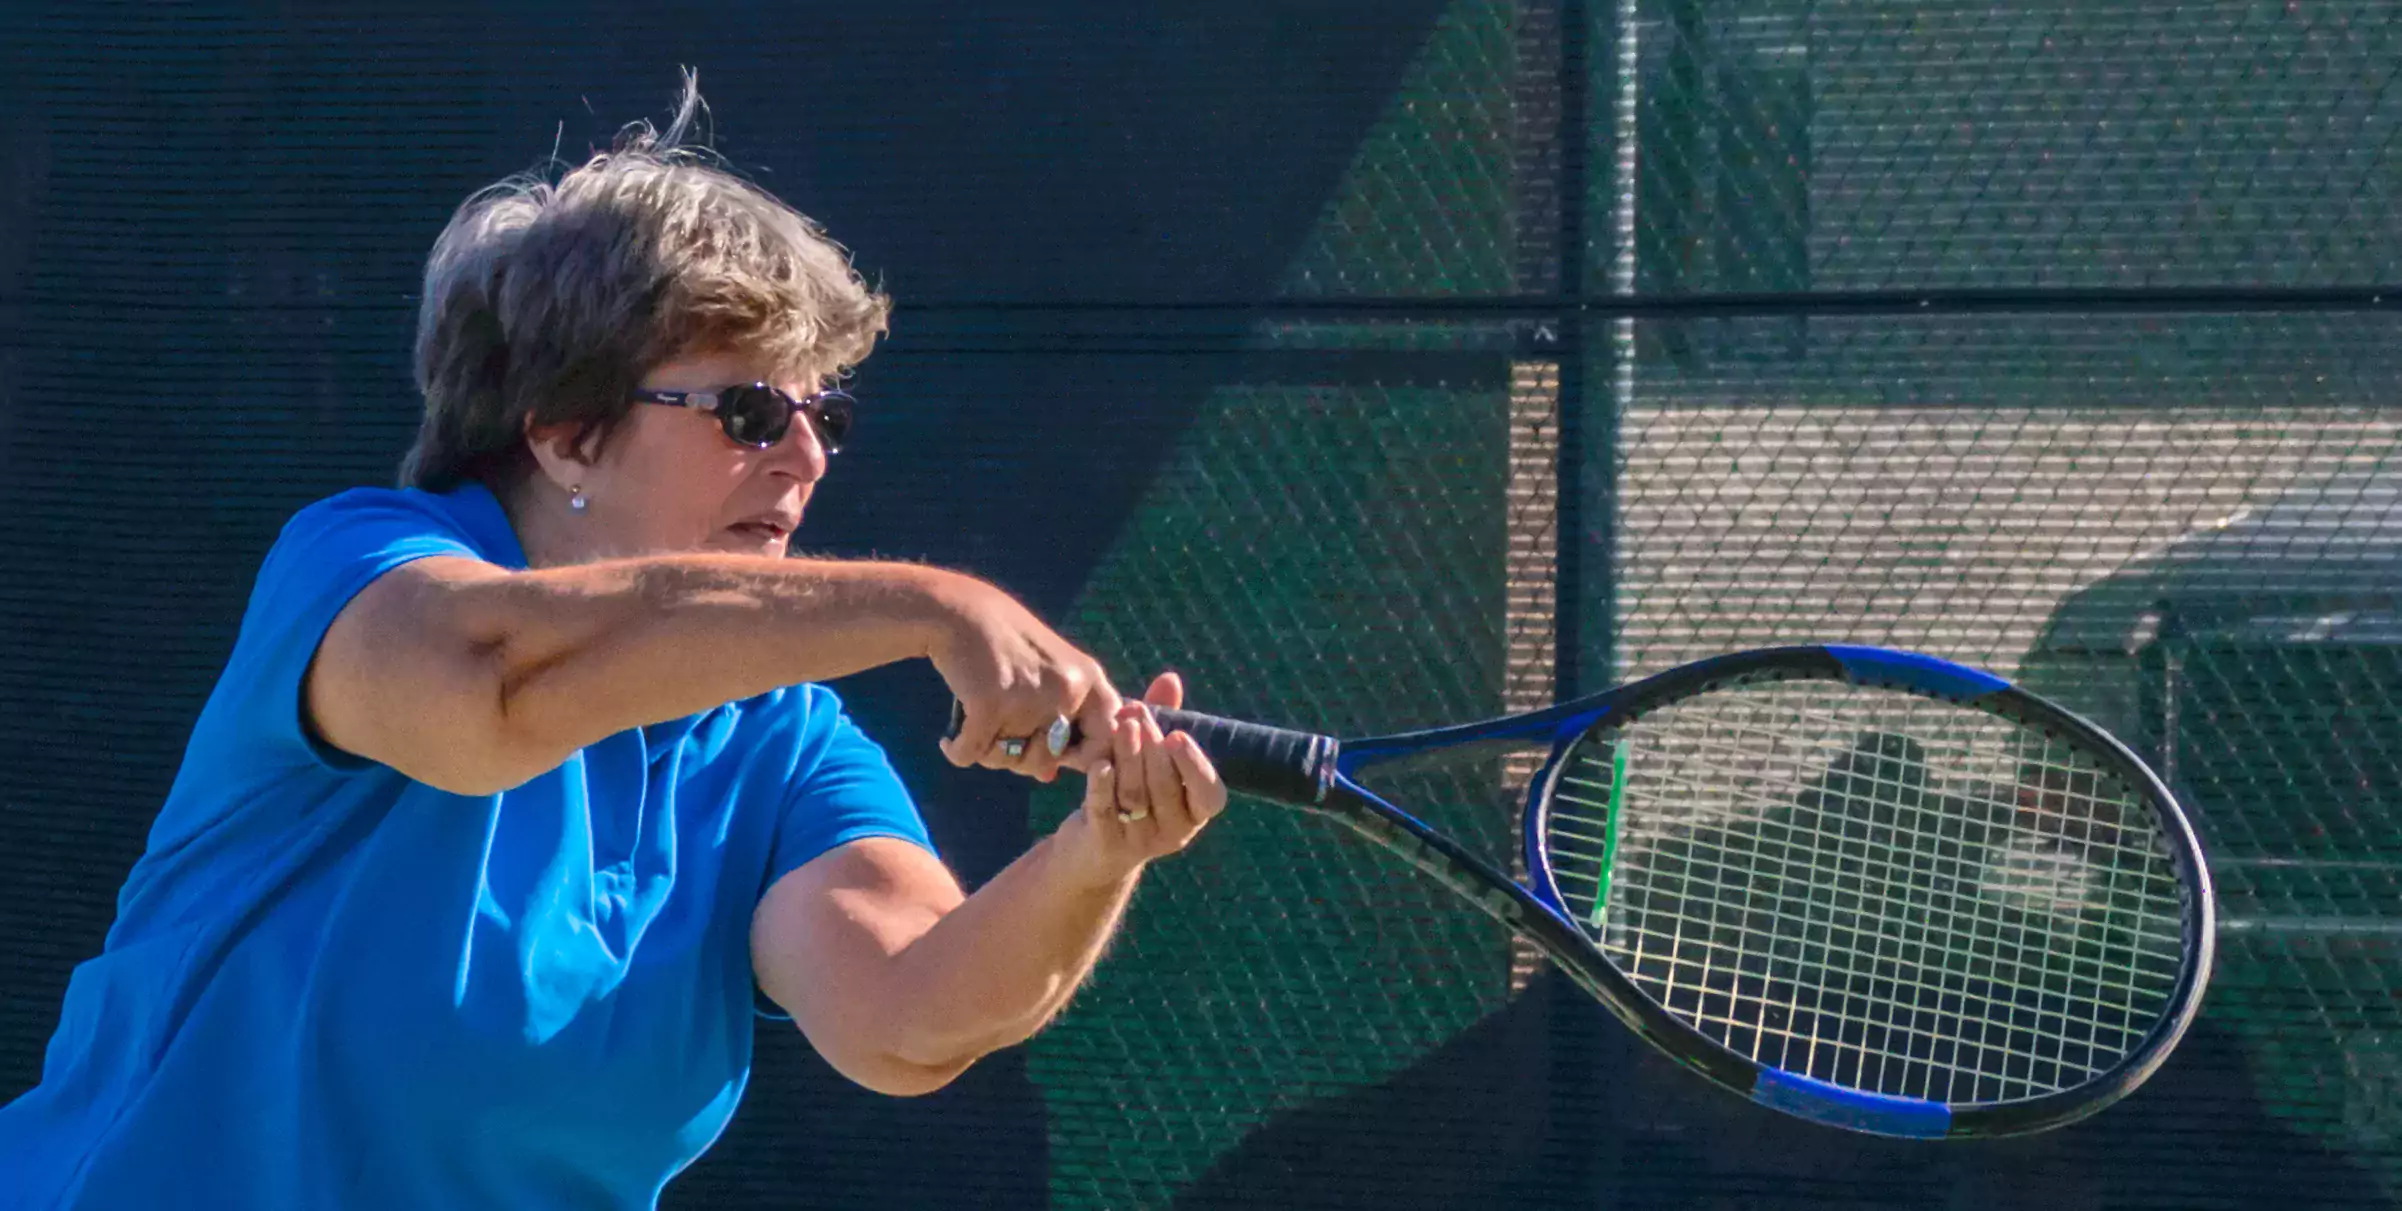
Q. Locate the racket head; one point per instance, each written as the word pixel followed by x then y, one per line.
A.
pixel 1876 889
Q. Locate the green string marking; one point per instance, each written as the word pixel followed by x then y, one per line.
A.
pixel 1609 834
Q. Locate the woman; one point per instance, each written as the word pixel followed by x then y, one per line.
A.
pixel 517 787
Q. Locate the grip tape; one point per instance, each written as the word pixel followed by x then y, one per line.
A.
pixel 1276 763
pixel 1272 762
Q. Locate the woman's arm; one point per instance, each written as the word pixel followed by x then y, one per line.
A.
pixel 901 983
pixel 475 679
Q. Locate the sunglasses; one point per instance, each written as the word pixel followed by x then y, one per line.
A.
pixel 759 416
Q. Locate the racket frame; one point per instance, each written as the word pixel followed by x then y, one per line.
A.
pixel 1539 914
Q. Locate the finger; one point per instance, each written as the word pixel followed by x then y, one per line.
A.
pixel 1041 765
pixel 1204 792
pixel 1101 687
pixel 1033 759
pixel 973 743
pixel 1039 762
pixel 1133 786
pixel 1161 783
pixel 1057 739
pixel 1067 690
pixel 1025 715
pixel 1096 725
pixel 1101 792
pixel 1166 690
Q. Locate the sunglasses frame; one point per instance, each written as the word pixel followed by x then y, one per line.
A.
pixel 713 401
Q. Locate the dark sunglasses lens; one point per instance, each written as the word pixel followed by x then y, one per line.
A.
pixel 833 412
pixel 754 416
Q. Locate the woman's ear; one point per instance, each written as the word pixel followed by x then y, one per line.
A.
pixel 563 460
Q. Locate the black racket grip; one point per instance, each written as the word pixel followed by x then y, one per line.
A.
pixel 1272 762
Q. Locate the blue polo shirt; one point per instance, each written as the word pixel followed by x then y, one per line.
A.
pixel 331 986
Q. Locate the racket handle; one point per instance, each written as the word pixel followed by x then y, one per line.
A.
pixel 1276 763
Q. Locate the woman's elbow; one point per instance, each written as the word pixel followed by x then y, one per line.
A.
pixel 914 1082
pixel 476 770
pixel 896 1076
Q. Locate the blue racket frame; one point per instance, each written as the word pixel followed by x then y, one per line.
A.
pixel 1318 774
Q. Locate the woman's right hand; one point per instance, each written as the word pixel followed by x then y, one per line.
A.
pixel 1014 677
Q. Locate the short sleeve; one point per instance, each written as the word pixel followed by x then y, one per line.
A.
pixel 327 553
pixel 845 790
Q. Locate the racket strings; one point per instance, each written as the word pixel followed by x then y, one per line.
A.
pixel 1896 878
pixel 1891 949
pixel 1882 948
pixel 1874 889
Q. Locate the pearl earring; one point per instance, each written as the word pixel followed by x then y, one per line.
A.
pixel 576 499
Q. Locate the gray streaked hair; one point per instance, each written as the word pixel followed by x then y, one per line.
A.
pixel 548 301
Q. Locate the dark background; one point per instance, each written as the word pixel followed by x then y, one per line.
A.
pixel 1103 223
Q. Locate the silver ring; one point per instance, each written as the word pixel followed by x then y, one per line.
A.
pixel 1012 749
pixel 1057 738
pixel 1127 817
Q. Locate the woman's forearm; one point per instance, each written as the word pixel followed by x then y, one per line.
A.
pixel 998 967
pixel 901 982
pixel 583 653
pixel 474 680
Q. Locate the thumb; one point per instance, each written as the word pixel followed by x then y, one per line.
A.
pixel 1101 787
pixel 1167 690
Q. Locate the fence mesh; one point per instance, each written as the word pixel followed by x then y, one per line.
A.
pixel 2181 523
pixel 1442 478
pixel 1284 960
pixel 1873 144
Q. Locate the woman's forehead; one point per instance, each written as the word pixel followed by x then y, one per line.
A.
pixel 703 369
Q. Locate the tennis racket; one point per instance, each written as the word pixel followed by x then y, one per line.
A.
pixel 1868 888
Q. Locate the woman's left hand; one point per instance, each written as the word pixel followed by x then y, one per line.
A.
pixel 1147 799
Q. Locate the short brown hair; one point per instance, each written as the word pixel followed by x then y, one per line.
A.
pixel 549 301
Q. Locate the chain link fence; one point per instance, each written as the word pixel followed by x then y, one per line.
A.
pixel 2061 339
pixel 1989 346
